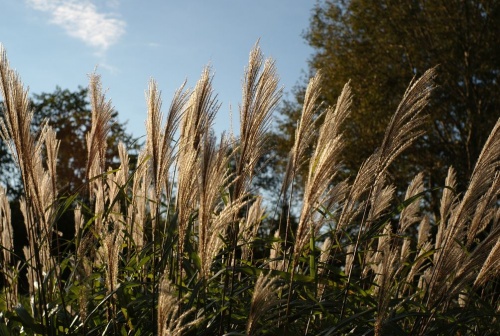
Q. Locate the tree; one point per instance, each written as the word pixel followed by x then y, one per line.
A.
pixel 69 113
pixel 380 46
pixel 8 178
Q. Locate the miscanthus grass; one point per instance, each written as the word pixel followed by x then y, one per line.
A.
pixel 181 243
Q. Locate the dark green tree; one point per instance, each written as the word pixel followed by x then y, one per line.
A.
pixel 380 46
pixel 8 179
pixel 69 113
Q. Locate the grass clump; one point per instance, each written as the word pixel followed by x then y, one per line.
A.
pixel 172 246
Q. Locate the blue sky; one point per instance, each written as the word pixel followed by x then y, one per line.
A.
pixel 59 42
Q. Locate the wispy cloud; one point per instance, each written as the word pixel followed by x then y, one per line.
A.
pixel 153 45
pixel 113 3
pixel 108 67
pixel 82 19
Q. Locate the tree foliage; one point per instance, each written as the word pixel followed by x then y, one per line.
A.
pixel 8 178
pixel 69 113
pixel 380 46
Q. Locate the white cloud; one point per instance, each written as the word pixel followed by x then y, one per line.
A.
pixel 82 20
pixel 108 67
pixel 153 45
pixel 113 3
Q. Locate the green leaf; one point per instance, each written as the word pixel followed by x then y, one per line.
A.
pixel 4 331
pixel 27 320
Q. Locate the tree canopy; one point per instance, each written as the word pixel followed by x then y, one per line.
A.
pixel 380 46
pixel 69 114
